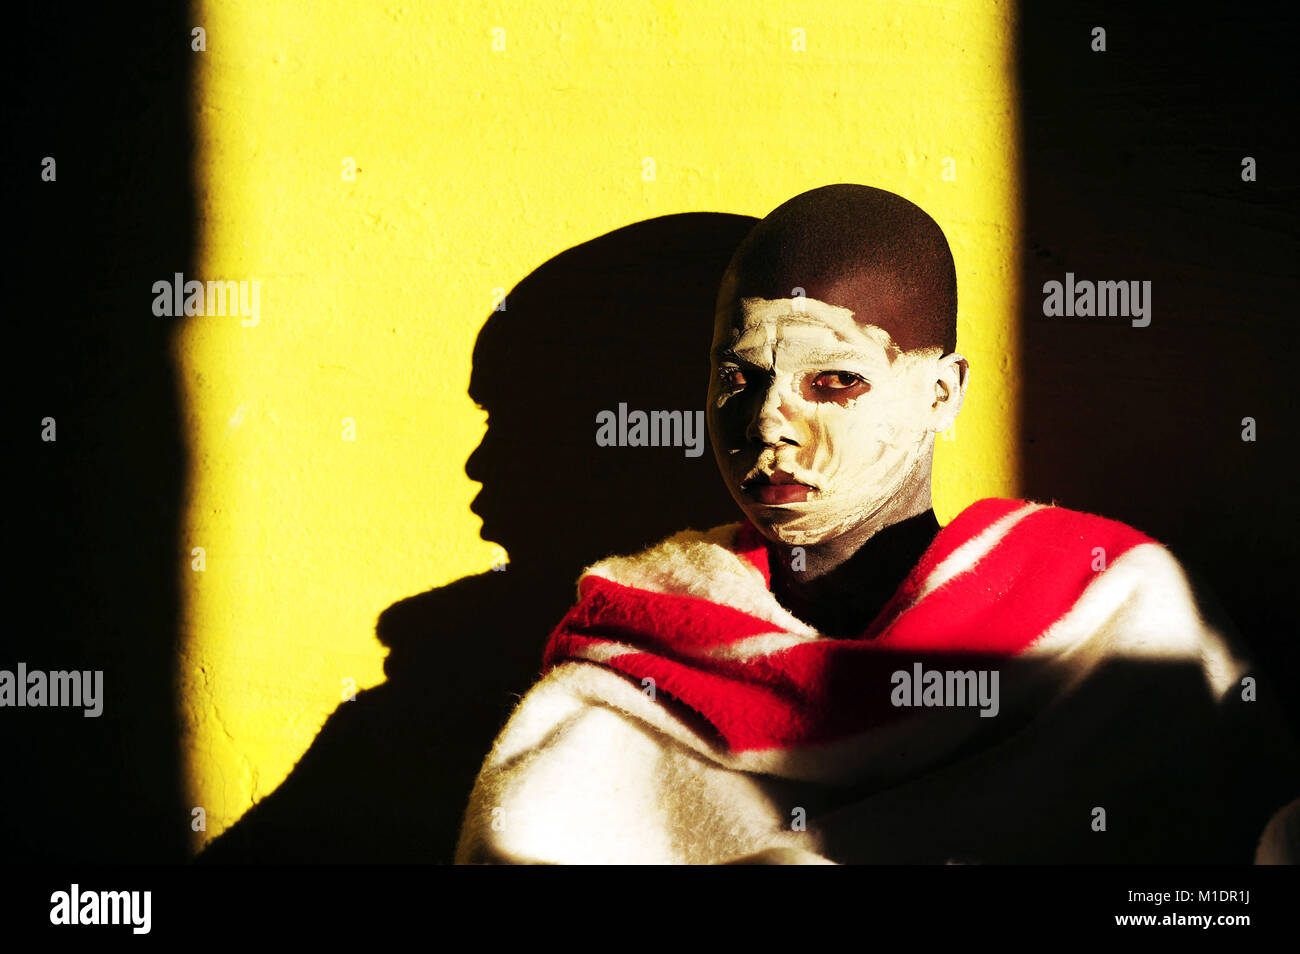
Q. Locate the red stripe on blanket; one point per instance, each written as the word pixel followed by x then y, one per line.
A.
pixel 829 689
pixel 613 611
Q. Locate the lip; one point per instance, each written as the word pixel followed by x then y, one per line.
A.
pixel 776 488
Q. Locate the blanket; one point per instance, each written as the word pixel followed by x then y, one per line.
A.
pixel 1042 687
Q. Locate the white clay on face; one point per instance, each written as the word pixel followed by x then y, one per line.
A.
pixel 859 452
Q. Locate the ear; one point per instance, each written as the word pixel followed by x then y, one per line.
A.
pixel 952 372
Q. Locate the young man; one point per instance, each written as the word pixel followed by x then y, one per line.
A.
pixel 838 679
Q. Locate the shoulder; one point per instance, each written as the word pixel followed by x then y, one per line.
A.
pixel 684 541
pixel 998 548
pixel 1089 577
pixel 723 565
pixel 1040 522
pixel 691 562
pixel 1031 542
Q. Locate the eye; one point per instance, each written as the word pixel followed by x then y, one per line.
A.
pixel 731 377
pixel 840 381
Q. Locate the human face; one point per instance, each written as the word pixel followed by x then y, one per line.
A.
pixel 817 421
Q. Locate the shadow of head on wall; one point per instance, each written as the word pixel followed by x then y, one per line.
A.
pixel 625 318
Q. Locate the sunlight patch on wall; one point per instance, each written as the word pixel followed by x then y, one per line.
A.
pixel 382 173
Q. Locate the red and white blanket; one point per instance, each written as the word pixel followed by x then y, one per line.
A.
pixel 1021 697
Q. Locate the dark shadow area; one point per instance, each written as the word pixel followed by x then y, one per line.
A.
pixel 1181 780
pixel 626 317
pixel 92 532
pixel 1132 170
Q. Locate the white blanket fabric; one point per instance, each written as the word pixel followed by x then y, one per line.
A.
pixel 1111 742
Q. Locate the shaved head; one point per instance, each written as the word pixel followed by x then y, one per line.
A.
pixel 864 249
pixel 832 367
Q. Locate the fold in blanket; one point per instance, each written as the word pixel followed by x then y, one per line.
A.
pixel 1041 687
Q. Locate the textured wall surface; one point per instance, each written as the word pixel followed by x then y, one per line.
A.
pixel 328 440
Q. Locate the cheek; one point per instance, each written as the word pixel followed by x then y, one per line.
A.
pixel 869 434
pixel 846 438
pixel 726 436
pixel 725 422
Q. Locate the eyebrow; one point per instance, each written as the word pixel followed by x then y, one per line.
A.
pixel 824 357
pixel 812 357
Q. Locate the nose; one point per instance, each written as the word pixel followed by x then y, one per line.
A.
pixel 771 423
pixel 474 461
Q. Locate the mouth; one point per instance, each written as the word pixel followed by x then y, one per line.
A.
pixel 776 488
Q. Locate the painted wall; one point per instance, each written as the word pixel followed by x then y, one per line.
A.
pixel 386 174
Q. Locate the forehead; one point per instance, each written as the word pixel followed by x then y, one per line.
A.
pixel 799 326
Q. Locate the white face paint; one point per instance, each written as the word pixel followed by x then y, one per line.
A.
pixel 802 392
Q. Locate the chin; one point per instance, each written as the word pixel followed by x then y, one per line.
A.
pixel 786 530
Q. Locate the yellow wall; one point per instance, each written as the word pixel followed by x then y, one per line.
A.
pixel 473 167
